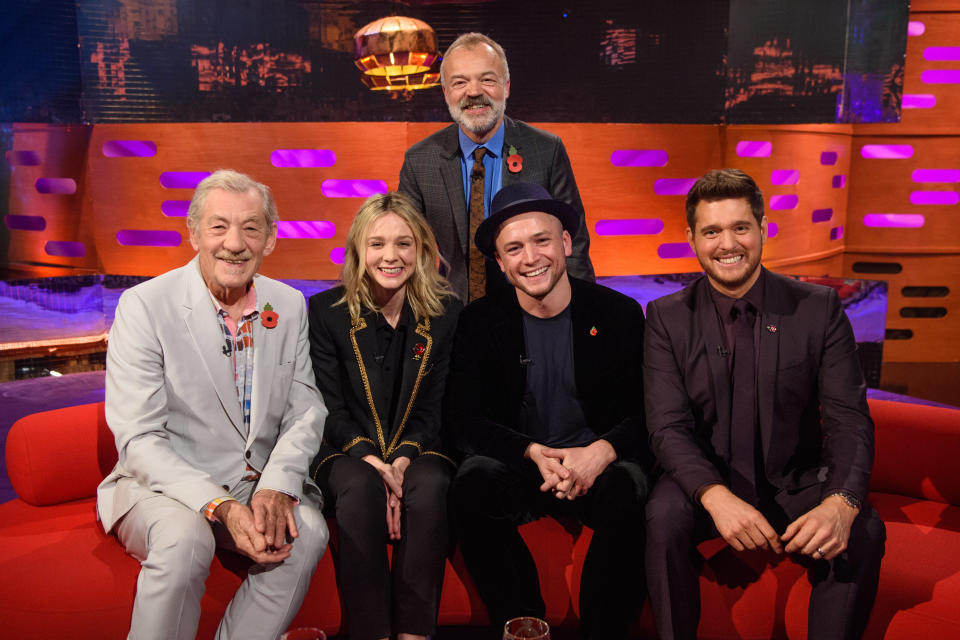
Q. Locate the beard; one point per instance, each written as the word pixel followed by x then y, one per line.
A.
pixel 478 125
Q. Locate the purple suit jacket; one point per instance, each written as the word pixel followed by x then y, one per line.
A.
pixel 815 427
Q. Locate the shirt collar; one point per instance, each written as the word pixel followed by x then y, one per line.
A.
pixel 494 145
pixel 754 296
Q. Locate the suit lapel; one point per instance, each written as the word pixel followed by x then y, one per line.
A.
pixel 413 370
pixel 767 363
pixel 201 323
pixel 510 137
pixel 452 173
pixel 363 338
pixel 265 355
pixel 719 370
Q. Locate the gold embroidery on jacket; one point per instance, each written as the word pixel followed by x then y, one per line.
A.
pixel 422 330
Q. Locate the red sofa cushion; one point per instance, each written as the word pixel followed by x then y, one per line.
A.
pixel 61 455
pixel 907 434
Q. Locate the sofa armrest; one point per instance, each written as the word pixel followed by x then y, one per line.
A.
pixel 917 450
pixel 61 455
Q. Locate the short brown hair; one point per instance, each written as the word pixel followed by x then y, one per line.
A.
pixel 724 184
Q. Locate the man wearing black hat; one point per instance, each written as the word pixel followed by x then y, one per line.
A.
pixel 545 404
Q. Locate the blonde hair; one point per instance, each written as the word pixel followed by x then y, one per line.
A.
pixel 235 182
pixel 425 288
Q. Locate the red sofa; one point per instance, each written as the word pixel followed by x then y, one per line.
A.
pixel 61 577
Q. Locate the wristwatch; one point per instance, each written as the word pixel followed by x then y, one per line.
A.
pixel 848 496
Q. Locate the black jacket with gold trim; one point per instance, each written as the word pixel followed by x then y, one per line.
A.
pixel 349 379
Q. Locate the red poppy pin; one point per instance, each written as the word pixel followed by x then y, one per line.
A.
pixel 418 350
pixel 514 160
pixel 593 331
pixel 269 317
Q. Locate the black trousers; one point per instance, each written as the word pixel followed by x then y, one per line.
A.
pixel 381 602
pixel 843 588
pixel 490 499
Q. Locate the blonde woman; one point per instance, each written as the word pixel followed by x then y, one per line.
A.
pixel 380 344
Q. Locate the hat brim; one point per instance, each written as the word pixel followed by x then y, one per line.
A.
pixel 488 230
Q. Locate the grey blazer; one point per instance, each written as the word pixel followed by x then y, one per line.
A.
pixel 432 176
pixel 172 403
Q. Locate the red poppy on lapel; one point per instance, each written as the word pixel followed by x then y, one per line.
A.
pixel 418 350
pixel 269 317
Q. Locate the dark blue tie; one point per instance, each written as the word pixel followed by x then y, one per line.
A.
pixel 743 415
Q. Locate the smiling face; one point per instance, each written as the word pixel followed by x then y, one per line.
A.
pixel 728 243
pixel 390 256
pixel 531 250
pixel 476 90
pixel 231 238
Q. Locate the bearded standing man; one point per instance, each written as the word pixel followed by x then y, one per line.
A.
pixel 454 190
pixel 757 412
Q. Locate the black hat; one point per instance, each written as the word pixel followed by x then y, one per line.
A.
pixel 517 198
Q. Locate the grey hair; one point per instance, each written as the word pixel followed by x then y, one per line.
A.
pixel 474 39
pixel 235 182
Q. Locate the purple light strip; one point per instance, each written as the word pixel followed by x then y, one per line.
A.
pixel 915 28
pixel 896 220
pixel 25 223
pixel 336 255
pixel 919 101
pixel 934 197
pixel 839 181
pixel 64 249
pixel 828 157
pixel 673 186
pixel 940 76
pixel 950 54
pixel 784 176
pixel 671 250
pixel 821 215
pixel 148 238
pixel 836 233
pixel 754 148
pixel 352 188
pixel 887 151
pixel 629 227
pixel 639 158
pixel 936 175
pixel 772 229
pixel 303 158
pixel 22 158
pixel 182 179
pixel 129 148
pixel 56 186
pixel 788 201
pixel 301 229
pixel 175 208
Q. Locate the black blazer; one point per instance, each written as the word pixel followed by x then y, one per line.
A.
pixel 348 378
pixel 432 176
pixel 488 377
pixel 814 422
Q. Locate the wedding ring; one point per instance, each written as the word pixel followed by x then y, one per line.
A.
pixel 820 551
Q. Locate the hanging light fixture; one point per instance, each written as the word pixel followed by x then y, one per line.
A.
pixel 397 53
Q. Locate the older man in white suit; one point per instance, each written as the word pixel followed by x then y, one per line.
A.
pixel 211 397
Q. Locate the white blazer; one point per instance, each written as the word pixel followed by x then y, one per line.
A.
pixel 172 403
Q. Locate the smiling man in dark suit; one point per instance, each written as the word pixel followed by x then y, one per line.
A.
pixel 454 190
pixel 757 413
pixel 544 401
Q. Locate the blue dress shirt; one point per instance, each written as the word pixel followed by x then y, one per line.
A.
pixel 492 165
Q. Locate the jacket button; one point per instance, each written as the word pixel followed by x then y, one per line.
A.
pixel 226 487
pixel 248 455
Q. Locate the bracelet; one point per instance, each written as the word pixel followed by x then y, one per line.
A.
pixel 848 496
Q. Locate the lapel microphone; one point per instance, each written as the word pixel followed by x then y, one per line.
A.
pixel 525 361
pixel 723 353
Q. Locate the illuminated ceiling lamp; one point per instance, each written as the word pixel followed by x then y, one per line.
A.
pixel 397 53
